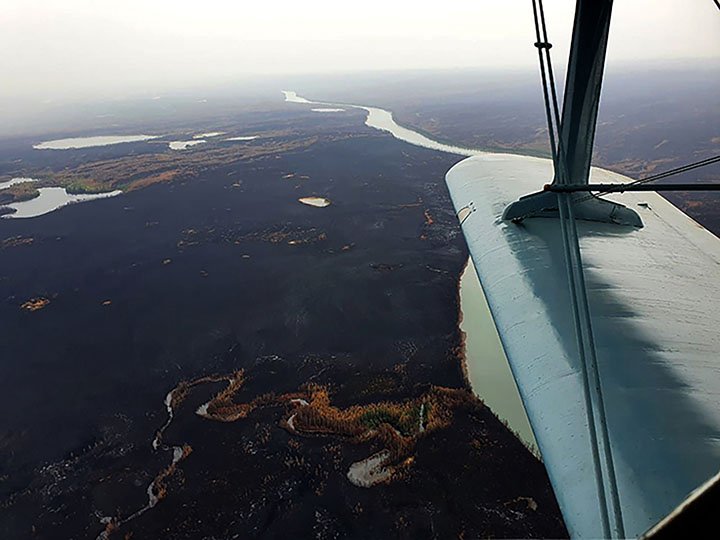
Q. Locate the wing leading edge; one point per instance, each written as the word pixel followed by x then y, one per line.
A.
pixel 654 304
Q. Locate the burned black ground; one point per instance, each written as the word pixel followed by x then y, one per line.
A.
pixel 225 271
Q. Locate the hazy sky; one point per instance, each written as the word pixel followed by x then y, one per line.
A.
pixel 53 49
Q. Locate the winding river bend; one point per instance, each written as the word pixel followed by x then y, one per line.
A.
pixel 487 366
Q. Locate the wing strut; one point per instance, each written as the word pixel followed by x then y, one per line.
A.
pixel 571 157
pixel 582 89
pixel 576 129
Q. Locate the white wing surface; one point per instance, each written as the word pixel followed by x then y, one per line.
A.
pixel 654 298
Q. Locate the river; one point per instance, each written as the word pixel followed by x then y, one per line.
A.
pixel 487 367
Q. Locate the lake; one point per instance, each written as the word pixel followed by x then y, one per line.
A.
pixel 87 142
pixel 50 199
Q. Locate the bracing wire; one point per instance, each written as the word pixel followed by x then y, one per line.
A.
pixel 677 170
pixel 659 176
pixel 578 293
pixel 540 44
pixel 560 163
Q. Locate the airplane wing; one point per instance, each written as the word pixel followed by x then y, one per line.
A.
pixel 655 304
